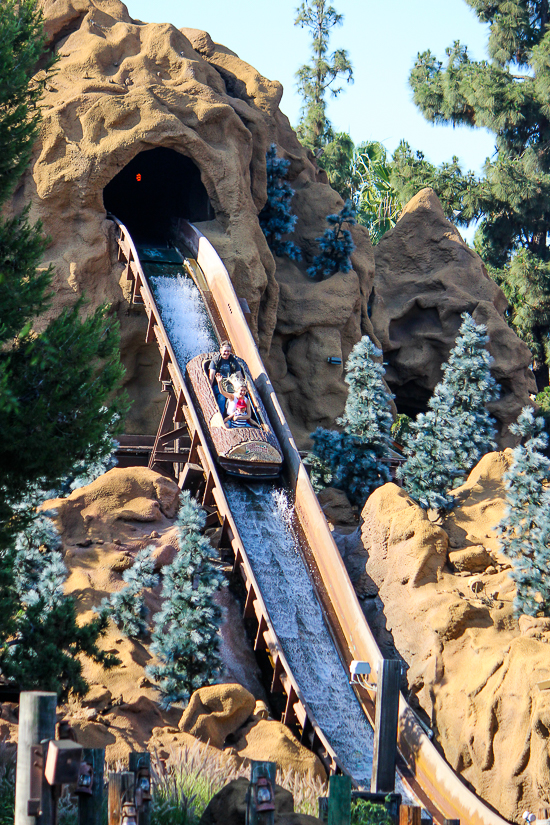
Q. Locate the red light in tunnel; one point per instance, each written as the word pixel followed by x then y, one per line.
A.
pixel 138 177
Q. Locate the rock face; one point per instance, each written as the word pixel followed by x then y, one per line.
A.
pixel 123 87
pixel 426 276
pixel 474 670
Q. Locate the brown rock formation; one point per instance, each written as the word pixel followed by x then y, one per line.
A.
pixel 473 669
pixel 216 711
pixel 426 276
pixel 122 87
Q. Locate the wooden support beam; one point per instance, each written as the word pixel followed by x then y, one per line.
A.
pixel 150 334
pixel 259 642
pixel 121 791
pixel 179 414
pixel 163 375
pixel 410 815
pixel 210 484
pixel 165 423
pixel 385 728
pixel 248 611
pixel 289 716
pixel 191 476
pixel 165 456
pixel 194 451
pixel 179 432
pixel 278 668
pixel 212 519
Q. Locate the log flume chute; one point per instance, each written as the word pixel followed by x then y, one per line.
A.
pixel 181 440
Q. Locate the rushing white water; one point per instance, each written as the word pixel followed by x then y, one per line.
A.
pixel 183 313
pixel 263 517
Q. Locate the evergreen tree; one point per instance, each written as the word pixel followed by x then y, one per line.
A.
pixel 276 218
pixel 409 172
pixel 126 607
pixel 508 95
pixel 55 387
pixel 186 636
pixel 525 529
pixel 457 430
pixel 45 642
pixel 336 245
pixel 352 460
pixel 318 76
pixel 368 410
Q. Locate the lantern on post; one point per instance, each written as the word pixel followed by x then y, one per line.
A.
pixel 85 781
pixel 260 808
pixel 143 785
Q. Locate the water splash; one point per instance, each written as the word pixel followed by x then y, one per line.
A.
pixel 263 515
pixel 183 313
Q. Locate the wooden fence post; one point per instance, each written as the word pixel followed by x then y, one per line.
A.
pixel 339 800
pixel 385 726
pixel 121 790
pixel 90 808
pixel 36 724
pixel 137 761
pixel 410 815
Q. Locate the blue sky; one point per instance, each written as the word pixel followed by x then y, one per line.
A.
pixel 382 39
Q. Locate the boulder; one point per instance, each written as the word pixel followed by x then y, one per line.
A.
pixel 271 741
pixel 228 806
pixel 426 277
pixel 216 711
pixel 120 495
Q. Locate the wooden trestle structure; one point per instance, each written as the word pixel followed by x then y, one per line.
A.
pixel 181 443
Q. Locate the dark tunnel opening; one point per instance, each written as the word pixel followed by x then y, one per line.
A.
pixel 155 189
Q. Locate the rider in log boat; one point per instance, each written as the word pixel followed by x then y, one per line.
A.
pixel 223 366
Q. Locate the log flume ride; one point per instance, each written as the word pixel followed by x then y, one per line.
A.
pixel 309 624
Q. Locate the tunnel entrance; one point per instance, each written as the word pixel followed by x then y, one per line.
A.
pixel 156 188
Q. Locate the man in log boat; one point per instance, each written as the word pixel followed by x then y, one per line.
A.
pixel 223 366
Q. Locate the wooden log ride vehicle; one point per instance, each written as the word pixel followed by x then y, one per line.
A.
pixel 249 452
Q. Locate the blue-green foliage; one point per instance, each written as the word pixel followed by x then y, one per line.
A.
pixel 127 608
pixel 186 636
pixel 45 643
pixel 352 459
pixel 524 531
pixel 444 443
pixel 336 245
pixel 368 410
pixel 276 218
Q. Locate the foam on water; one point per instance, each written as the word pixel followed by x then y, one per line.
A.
pixel 183 313
pixel 263 517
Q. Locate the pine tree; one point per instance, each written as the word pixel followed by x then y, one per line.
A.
pixel 126 607
pixel 276 218
pixel 508 95
pixel 318 76
pixel 336 245
pixel 524 531
pixel 352 460
pixel 55 388
pixel 45 641
pixel 457 430
pixel 368 410
pixel 186 636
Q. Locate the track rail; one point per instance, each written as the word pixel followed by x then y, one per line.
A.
pixel 422 767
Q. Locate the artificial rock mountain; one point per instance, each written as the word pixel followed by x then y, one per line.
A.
pixel 122 87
